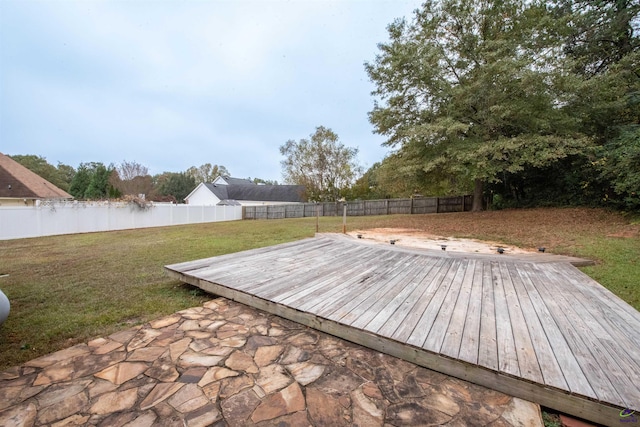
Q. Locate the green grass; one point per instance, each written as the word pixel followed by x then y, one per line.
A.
pixel 70 289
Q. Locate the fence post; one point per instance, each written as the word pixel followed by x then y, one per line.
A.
pixel 317 217
pixel 344 219
pixel 437 203
pixel 386 205
pixel 411 209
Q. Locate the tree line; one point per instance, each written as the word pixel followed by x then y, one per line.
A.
pixel 97 181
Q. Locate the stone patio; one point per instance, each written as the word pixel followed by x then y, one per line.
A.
pixel 227 364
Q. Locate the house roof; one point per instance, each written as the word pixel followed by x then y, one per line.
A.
pixel 264 193
pixel 16 181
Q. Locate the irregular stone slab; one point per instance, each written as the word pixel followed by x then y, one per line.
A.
pixel 160 392
pixel 198 334
pixel 72 421
pixel 122 372
pixel 215 325
pixel 409 413
pixel 198 345
pixel 64 408
pixel 255 342
pixel 231 330
pixel 100 386
pixel 385 382
pixel 272 378
pixel 11 373
pixel 117 419
pixel 146 354
pixel 10 396
pixel 142 338
pixel 266 355
pixel 115 401
pixel 213 304
pixel 441 403
pixel 188 399
pixel 291 420
pixel 211 390
pixel 237 409
pixel 146 419
pixel 60 392
pixel 305 372
pixel 522 413
pixel 215 374
pixel 361 367
pixel 372 391
pixel 339 380
pixel 19 416
pixel 177 348
pixel 234 385
pixel 304 338
pixel 234 342
pixel 218 351
pixel 294 355
pixel 124 336
pixel 203 417
pixel 165 321
pixel 190 325
pixel 192 375
pixel 108 347
pixel 409 387
pixel 276 405
pixel 324 409
pixel 59 356
pixel 239 361
pixel 162 370
pixel 365 412
pixel 190 358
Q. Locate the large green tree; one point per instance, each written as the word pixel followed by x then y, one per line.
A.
pixel 91 182
pixel 323 164
pixel 470 89
pixel 173 185
pixel 60 176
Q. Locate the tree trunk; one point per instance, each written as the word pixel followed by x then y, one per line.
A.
pixel 477 196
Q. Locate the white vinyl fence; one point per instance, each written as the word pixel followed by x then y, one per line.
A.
pixel 50 219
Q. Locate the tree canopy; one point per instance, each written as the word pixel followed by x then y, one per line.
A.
pixel 479 90
pixel 207 172
pixel 324 165
pixel 59 176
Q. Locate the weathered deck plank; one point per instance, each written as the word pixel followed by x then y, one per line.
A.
pixel 544 332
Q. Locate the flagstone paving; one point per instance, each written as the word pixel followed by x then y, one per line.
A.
pixel 227 364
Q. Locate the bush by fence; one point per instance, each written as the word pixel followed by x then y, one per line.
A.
pixel 79 217
pixel 418 205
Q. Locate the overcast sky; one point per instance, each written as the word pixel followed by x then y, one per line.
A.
pixel 174 84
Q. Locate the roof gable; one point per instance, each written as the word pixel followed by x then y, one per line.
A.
pixel 16 181
pixel 227 180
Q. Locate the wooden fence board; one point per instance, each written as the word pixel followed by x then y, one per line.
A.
pixel 417 205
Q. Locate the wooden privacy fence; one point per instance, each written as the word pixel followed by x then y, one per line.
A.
pixel 418 205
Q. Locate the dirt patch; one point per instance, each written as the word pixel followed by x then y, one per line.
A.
pixel 419 239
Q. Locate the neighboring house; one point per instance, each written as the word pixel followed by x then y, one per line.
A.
pixel 235 191
pixel 21 187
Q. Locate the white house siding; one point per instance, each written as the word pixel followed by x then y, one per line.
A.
pixel 202 196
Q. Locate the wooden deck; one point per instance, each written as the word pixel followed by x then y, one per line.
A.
pixel 544 331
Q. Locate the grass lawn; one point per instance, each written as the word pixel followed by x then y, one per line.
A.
pixel 69 289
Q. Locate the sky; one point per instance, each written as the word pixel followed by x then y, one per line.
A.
pixel 175 84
